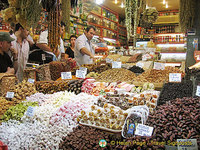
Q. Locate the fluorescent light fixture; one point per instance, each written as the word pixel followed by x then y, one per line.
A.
pixel 99 2
pixel 122 5
pixel 116 1
pixel 164 1
pixel 166 5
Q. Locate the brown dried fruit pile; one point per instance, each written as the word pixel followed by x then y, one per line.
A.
pixel 50 87
pixel 179 119
pixel 87 138
pixel 157 76
pixel 115 75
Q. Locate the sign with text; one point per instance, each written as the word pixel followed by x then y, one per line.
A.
pixel 198 91
pixel 116 64
pixel 10 94
pixel 140 64
pixel 30 111
pixel 43 57
pixel 143 130
pixel 187 144
pixel 83 69
pixel 66 75
pixel 31 80
pixel 80 74
pixel 159 66
pixel 175 77
pixel 108 60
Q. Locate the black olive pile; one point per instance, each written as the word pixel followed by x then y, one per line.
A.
pixel 172 91
pixel 136 69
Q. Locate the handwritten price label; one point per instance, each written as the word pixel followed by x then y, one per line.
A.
pixel 66 75
pixel 43 57
pixel 143 130
pixel 31 80
pixel 30 111
pixel 174 77
pixel 198 91
pixel 10 94
pixel 80 74
pixel 83 69
pixel 139 64
pixel 116 64
pixel 159 66
pixel 187 144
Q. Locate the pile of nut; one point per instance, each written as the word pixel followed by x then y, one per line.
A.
pixel 50 87
pixel 115 75
pixel 157 76
pixel 22 90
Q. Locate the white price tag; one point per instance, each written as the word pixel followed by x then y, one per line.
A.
pixel 31 80
pixel 80 74
pixel 108 60
pixel 140 64
pixel 66 75
pixel 159 66
pixel 10 94
pixel 198 91
pixel 187 144
pixel 30 111
pixel 83 69
pixel 143 130
pixel 116 64
pixel 174 77
pixel 43 57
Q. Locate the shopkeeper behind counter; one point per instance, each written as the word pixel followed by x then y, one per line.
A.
pixel 84 51
pixel 5 60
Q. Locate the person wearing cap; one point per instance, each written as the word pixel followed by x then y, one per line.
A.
pixel 22 46
pixel 7 66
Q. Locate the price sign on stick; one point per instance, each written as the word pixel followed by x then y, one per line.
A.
pixel 108 60
pixel 66 75
pixel 174 77
pixel 116 64
pixel 83 69
pixel 159 66
pixel 198 91
pixel 31 80
pixel 80 74
pixel 43 57
pixel 30 111
pixel 143 130
pixel 10 95
pixel 187 144
pixel 140 64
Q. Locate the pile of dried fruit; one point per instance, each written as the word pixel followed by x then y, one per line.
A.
pixel 115 75
pixel 49 87
pixel 172 91
pixel 157 76
pixel 87 138
pixel 177 119
pixel 136 69
pixel 93 68
pixel 22 90
pixel 17 112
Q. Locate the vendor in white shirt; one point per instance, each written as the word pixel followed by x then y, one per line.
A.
pixel 43 43
pixel 84 51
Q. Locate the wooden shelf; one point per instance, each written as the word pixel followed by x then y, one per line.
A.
pixel 167 33
pixel 110 19
pixel 169 42
pixel 122 34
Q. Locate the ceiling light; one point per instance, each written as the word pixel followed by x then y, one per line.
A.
pixel 116 1
pixel 166 5
pixel 164 1
pixel 99 2
pixel 122 5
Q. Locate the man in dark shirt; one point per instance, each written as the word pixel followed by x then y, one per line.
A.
pixel 7 66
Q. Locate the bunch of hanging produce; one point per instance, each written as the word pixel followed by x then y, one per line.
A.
pixel 149 16
pixel 53 28
pixel 25 12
